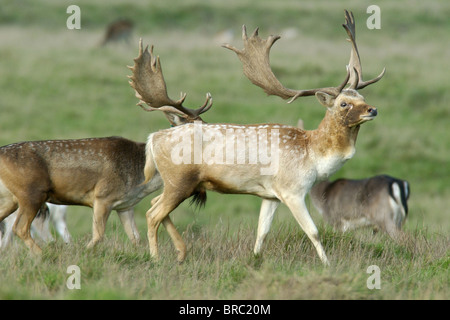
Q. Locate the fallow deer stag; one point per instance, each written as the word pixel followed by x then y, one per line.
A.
pixel 103 173
pixel 197 157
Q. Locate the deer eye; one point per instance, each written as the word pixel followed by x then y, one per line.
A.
pixel 343 104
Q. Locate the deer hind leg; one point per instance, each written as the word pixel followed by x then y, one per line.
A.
pixel 266 214
pixel 101 214
pixel 58 215
pixel 41 225
pixel 7 217
pixel 159 212
pixel 178 242
pixel 174 235
pixel 25 216
pixel 129 224
pixel 298 208
pixel 7 234
pixel 392 227
pixel 7 204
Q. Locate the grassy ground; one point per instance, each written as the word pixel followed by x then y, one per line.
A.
pixel 57 83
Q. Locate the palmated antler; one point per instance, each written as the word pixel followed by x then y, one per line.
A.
pixel 256 66
pixel 150 87
pixel 355 63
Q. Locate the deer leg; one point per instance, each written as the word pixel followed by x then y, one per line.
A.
pixel 174 235
pixel 176 238
pixel 7 206
pixel 298 208
pixel 41 225
pixel 7 217
pixel 101 214
pixel 129 224
pixel 155 199
pixel 392 229
pixel 58 215
pixel 158 213
pixel 25 216
pixel 8 233
pixel 266 214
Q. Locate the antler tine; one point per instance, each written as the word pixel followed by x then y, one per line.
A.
pixel 255 60
pixel 205 107
pixel 244 33
pixel 355 61
pixel 256 66
pixel 148 82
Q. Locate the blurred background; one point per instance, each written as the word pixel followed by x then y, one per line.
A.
pixel 58 83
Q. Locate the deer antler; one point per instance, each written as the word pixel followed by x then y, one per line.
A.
pixel 355 63
pixel 256 65
pixel 150 87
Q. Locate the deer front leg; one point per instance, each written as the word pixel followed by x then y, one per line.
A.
pixel 298 208
pixel 266 214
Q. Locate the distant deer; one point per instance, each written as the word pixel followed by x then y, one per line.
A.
pixel 41 225
pixel 119 30
pixel 301 157
pixel 379 202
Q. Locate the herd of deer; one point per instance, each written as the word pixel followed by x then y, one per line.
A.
pixel 114 173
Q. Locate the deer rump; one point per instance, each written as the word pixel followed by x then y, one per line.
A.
pixel 348 204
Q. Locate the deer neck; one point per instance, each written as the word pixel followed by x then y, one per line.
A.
pixel 334 137
pixel 333 143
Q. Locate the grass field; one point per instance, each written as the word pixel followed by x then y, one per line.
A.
pixel 57 83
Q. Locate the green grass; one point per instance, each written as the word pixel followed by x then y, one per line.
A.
pixel 56 83
pixel 220 265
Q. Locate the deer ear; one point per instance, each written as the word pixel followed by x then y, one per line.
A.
pixel 175 119
pixel 325 99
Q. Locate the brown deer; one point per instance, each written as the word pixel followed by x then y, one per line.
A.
pixel 103 173
pixel 119 30
pixel 193 158
pixel 379 202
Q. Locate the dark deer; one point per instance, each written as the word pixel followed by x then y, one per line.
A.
pixel 119 30
pixel 379 202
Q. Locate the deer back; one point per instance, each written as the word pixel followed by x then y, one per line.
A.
pixel 73 171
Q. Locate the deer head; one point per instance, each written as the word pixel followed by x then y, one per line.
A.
pixel 347 103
